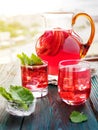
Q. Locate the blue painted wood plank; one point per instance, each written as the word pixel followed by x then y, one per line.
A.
pixel 10 122
pixel 52 113
pixel 94 92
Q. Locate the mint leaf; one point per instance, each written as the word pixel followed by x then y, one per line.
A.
pixel 36 60
pixel 21 59
pixel 32 60
pixel 77 117
pixel 19 104
pixel 25 60
pixel 18 95
pixel 5 94
pixel 22 94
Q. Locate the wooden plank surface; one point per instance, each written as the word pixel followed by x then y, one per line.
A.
pixel 50 112
pixel 9 122
pixel 10 74
pixel 53 114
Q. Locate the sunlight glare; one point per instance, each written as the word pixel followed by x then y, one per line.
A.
pixel 13 7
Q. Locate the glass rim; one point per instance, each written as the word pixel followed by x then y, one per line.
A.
pixel 58 12
pixel 45 63
pixel 86 63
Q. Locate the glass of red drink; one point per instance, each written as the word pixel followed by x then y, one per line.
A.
pixel 35 78
pixel 74 81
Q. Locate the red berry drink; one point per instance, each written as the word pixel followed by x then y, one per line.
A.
pixel 56 45
pixel 35 78
pixel 74 83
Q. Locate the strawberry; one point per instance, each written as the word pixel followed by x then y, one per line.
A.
pixel 51 41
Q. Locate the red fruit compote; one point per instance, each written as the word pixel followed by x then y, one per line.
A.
pixel 56 45
pixel 74 82
pixel 35 78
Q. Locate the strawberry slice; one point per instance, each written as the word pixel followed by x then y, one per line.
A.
pixel 44 43
pixel 66 34
pixel 57 41
pixel 51 41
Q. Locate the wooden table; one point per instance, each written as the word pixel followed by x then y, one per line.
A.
pixel 51 113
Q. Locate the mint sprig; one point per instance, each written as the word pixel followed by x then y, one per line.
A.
pixel 77 117
pixel 29 60
pixel 36 60
pixel 18 95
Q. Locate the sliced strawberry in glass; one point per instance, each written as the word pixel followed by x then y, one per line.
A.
pixel 58 40
pixel 51 41
pixel 44 43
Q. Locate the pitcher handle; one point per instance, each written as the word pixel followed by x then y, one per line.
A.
pixel 84 48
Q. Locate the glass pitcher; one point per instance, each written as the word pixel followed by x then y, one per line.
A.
pixel 59 41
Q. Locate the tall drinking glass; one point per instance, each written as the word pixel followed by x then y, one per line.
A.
pixel 74 81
